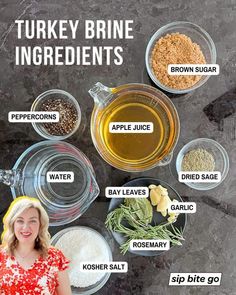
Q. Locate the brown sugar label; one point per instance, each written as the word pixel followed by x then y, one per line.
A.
pixel 193 69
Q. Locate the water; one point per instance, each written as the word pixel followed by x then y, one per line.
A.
pixel 64 202
pixel 58 194
pixel 64 194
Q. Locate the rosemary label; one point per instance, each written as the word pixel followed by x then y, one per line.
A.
pixel 150 245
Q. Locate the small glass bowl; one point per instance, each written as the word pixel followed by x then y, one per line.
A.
pixel 197 35
pixel 55 93
pixel 97 286
pixel 219 153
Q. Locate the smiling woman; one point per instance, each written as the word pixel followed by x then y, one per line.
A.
pixel 27 262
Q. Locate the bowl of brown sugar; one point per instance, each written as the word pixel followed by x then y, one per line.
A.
pixel 62 102
pixel 179 43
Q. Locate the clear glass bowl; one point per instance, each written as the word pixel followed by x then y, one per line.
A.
pixel 219 153
pixel 108 100
pixel 197 35
pixel 55 93
pixel 97 286
pixel 64 202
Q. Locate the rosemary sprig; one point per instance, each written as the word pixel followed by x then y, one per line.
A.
pixel 117 219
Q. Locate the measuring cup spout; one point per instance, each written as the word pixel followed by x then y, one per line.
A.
pixel 167 159
pixel 100 93
pixel 9 177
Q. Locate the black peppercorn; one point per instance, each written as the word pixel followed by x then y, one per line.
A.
pixel 68 116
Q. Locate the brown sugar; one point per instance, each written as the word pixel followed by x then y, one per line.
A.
pixel 176 48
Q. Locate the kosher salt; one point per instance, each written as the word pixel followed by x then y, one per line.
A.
pixel 83 245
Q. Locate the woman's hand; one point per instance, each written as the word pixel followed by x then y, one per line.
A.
pixel 63 287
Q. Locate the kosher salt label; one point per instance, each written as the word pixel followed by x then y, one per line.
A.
pixel 182 207
pixel 115 266
pixel 191 176
pixel 150 245
pixel 130 127
pixel 126 192
pixel 193 69
pixel 33 117
pixel 60 176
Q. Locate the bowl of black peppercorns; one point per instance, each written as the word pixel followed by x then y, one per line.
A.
pixel 66 105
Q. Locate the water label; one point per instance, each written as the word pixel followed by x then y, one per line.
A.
pixel 193 69
pixel 126 192
pixel 150 245
pixel 182 207
pixel 60 176
pixel 33 117
pixel 195 279
pixel 189 176
pixel 115 267
pixel 130 127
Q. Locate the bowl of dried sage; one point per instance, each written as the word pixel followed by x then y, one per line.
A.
pixel 202 164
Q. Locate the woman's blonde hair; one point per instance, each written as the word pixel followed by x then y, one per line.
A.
pixel 9 240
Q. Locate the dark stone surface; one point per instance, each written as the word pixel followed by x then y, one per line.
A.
pixel 210 234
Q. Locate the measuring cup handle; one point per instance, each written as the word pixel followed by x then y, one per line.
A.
pixel 9 177
pixel 100 93
pixel 166 160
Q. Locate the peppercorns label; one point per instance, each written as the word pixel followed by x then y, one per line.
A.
pixel 190 176
pixel 131 127
pixel 33 117
pixel 193 69
pixel 126 192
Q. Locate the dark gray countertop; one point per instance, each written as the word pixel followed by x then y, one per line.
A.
pixel 210 234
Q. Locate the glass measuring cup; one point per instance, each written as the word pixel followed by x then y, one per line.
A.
pixel 64 202
pixel 134 103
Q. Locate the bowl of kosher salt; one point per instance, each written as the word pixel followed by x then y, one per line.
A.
pixel 82 244
pixel 202 164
